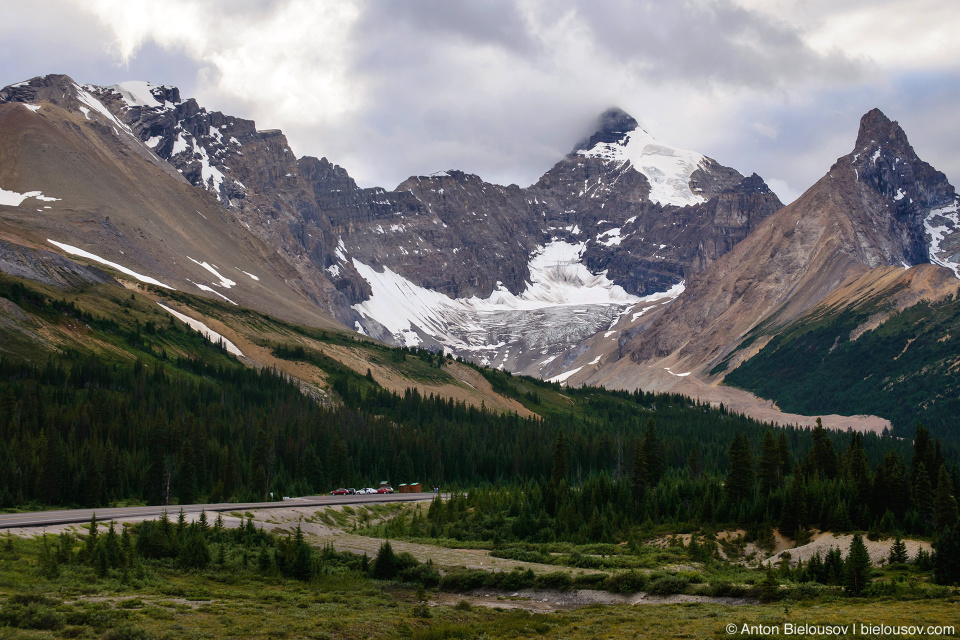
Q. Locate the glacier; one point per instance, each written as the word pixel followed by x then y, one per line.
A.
pixel 562 304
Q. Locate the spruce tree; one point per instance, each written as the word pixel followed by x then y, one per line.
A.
pixel 768 464
pixel 923 453
pixel 385 565
pixel 856 569
pixel 822 457
pixel 946 557
pixel 739 484
pixel 786 460
pixel 890 490
pixel 92 537
pixel 302 568
pixel 695 461
pixel 898 551
pixel 639 474
pixel 923 495
pixel 857 472
pixel 944 502
pixel 652 454
pixel 560 469
pixel 770 587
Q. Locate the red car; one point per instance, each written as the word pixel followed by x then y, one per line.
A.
pixel 339 492
pixel 385 490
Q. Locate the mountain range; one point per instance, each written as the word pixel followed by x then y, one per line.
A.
pixel 628 264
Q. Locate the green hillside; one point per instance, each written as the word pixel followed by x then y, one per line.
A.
pixel 906 370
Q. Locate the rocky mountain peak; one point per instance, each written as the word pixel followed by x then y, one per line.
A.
pixel 877 128
pixel 884 159
pixel 612 126
pixel 53 88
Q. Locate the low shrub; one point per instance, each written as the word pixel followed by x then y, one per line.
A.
pixel 425 574
pixel 31 612
pixel 463 580
pixel 128 632
pixel 591 581
pixel 667 585
pixel 556 580
pixel 626 582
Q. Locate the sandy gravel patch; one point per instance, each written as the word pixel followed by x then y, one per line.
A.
pixel 879 550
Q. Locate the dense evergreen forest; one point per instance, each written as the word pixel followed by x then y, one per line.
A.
pixel 89 433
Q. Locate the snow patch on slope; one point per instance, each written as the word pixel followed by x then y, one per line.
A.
pixel 224 282
pixel 14 199
pixel 87 98
pixel 667 168
pixel 136 93
pixel 204 287
pixel 91 256
pixel 562 378
pixel 207 332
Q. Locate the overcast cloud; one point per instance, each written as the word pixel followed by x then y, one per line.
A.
pixel 504 88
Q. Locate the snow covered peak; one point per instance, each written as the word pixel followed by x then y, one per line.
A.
pixel 667 168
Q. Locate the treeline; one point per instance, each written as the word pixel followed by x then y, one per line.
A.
pixel 770 488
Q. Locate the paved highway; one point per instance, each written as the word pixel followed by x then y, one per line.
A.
pixel 69 516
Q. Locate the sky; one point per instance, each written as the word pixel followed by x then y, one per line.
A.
pixel 505 88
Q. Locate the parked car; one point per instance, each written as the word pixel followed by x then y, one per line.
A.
pixel 339 492
pixel 385 490
pixel 369 491
pixel 352 491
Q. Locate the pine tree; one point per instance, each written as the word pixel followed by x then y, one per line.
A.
pixel 695 461
pixel 770 587
pixel 92 537
pixel 857 472
pixel 768 464
pixel 560 468
pixel 739 484
pixel 944 502
pixel 786 460
pixel 923 453
pixel 890 486
pixel 822 457
pixel 923 495
pixel 946 557
pixel 898 551
pixel 856 569
pixel 652 454
pixel 385 565
pixel 639 474
pixel 302 568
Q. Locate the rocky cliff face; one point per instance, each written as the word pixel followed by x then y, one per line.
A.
pixel 254 175
pixel 85 183
pixel 619 218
